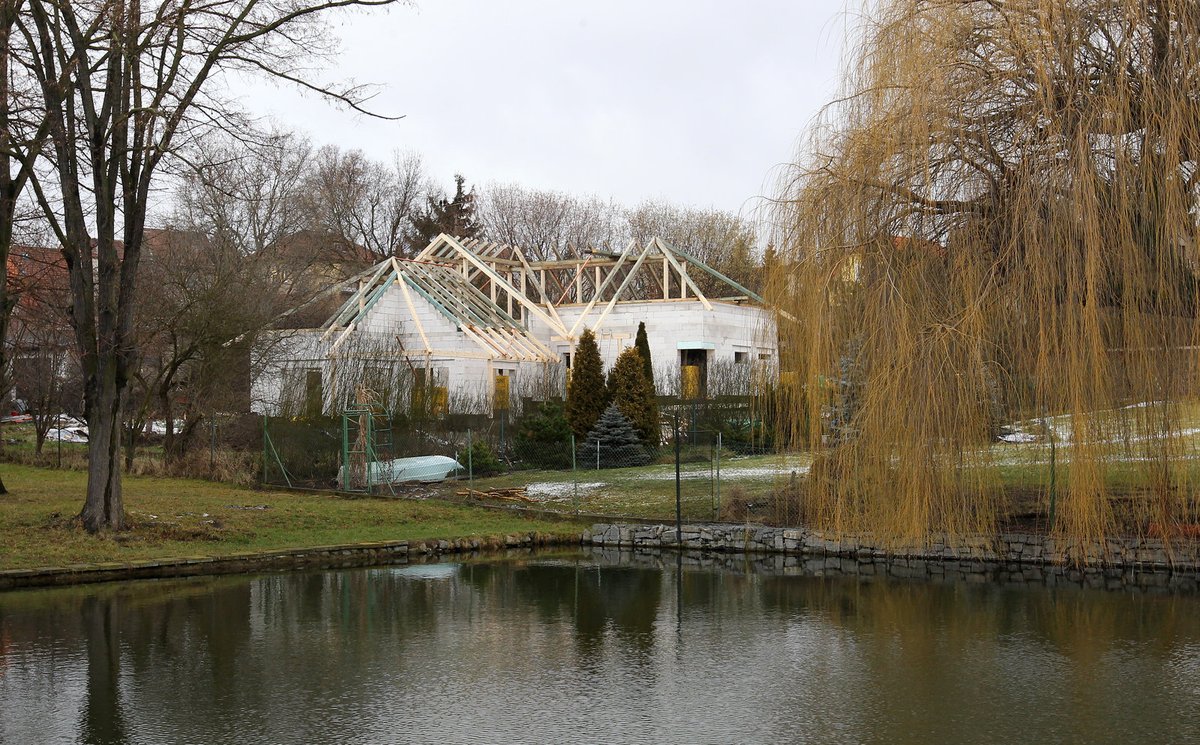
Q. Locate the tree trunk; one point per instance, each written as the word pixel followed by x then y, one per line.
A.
pixel 103 508
pixel 183 440
pixel 169 448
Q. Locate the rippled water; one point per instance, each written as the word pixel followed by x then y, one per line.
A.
pixel 572 648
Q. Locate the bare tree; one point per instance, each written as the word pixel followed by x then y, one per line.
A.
pixel 24 128
pixel 365 203
pixel 720 239
pixel 43 367
pixel 45 375
pixel 124 86
pixel 549 224
pixel 199 295
pixel 245 191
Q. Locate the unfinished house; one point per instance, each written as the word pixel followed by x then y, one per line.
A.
pixel 468 326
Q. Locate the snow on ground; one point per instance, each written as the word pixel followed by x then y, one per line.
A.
pixel 555 491
pixel 1019 437
pixel 749 472
pixel 1034 430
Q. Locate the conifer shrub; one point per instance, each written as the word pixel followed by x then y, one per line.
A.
pixel 614 442
pixel 632 393
pixel 587 394
pixel 482 459
pixel 642 344
pixel 543 437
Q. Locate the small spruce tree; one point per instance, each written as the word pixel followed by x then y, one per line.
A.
pixel 632 393
pixel 615 440
pixel 642 344
pixel 544 436
pixel 586 395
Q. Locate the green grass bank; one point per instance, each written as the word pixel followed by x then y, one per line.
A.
pixel 171 517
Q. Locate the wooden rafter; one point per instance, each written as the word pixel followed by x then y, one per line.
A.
pixel 600 292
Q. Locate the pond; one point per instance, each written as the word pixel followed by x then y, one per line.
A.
pixel 594 647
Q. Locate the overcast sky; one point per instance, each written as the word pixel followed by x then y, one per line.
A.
pixel 692 101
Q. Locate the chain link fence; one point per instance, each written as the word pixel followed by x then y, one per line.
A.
pixel 689 467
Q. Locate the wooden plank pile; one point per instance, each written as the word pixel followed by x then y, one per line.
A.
pixel 510 494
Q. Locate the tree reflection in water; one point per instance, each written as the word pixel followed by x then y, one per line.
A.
pixel 543 647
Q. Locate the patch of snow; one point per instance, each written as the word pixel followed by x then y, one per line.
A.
pixel 1019 437
pixel 551 491
pixel 746 472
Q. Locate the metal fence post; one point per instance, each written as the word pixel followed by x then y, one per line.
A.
pixel 345 452
pixel 678 490
pixel 264 455
pixel 470 467
pixel 717 513
pixel 574 474
pixel 212 444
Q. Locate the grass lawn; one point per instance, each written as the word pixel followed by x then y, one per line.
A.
pixel 180 517
pixel 649 491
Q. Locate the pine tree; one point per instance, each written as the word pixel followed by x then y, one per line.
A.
pixel 544 436
pixel 586 395
pixel 613 442
pixel 643 347
pixel 741 265
pixel 633 395
pixel 454 217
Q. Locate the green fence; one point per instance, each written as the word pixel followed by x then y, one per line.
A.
pixel 686 466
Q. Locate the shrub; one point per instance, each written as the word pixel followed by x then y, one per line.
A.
pixel 633 394
pixel 642 344
pixel 544 437
pixel 616 440
pixel 482 459
pixel 586 394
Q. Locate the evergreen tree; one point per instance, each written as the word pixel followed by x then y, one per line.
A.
pixel 643 347
pixel 454 216
pixel 586 395
pixel 632 393
pixel 742 267
pixel 614 442
pixel 544 436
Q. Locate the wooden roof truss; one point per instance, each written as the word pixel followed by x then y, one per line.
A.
pixel 497 334
pixel 652 272
pixel 490 291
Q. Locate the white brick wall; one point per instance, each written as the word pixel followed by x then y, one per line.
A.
pixel 728 327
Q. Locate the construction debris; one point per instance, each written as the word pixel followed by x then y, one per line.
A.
pixel 512 494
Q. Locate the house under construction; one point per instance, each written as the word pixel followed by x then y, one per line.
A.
pixel 468 323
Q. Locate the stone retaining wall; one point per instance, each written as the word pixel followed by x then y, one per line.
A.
pixel 355 554
pixel 1007 548
pixel 868 569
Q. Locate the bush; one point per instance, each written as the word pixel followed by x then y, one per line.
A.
pixel 482 459
pixel 587 395
pixel 544 437
pixel 633 394
pixel 616 441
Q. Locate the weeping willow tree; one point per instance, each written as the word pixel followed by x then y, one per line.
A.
pixel 997 224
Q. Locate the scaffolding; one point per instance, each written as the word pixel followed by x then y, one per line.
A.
pixel 367 443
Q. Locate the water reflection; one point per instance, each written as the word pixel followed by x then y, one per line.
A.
pixel 591 647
